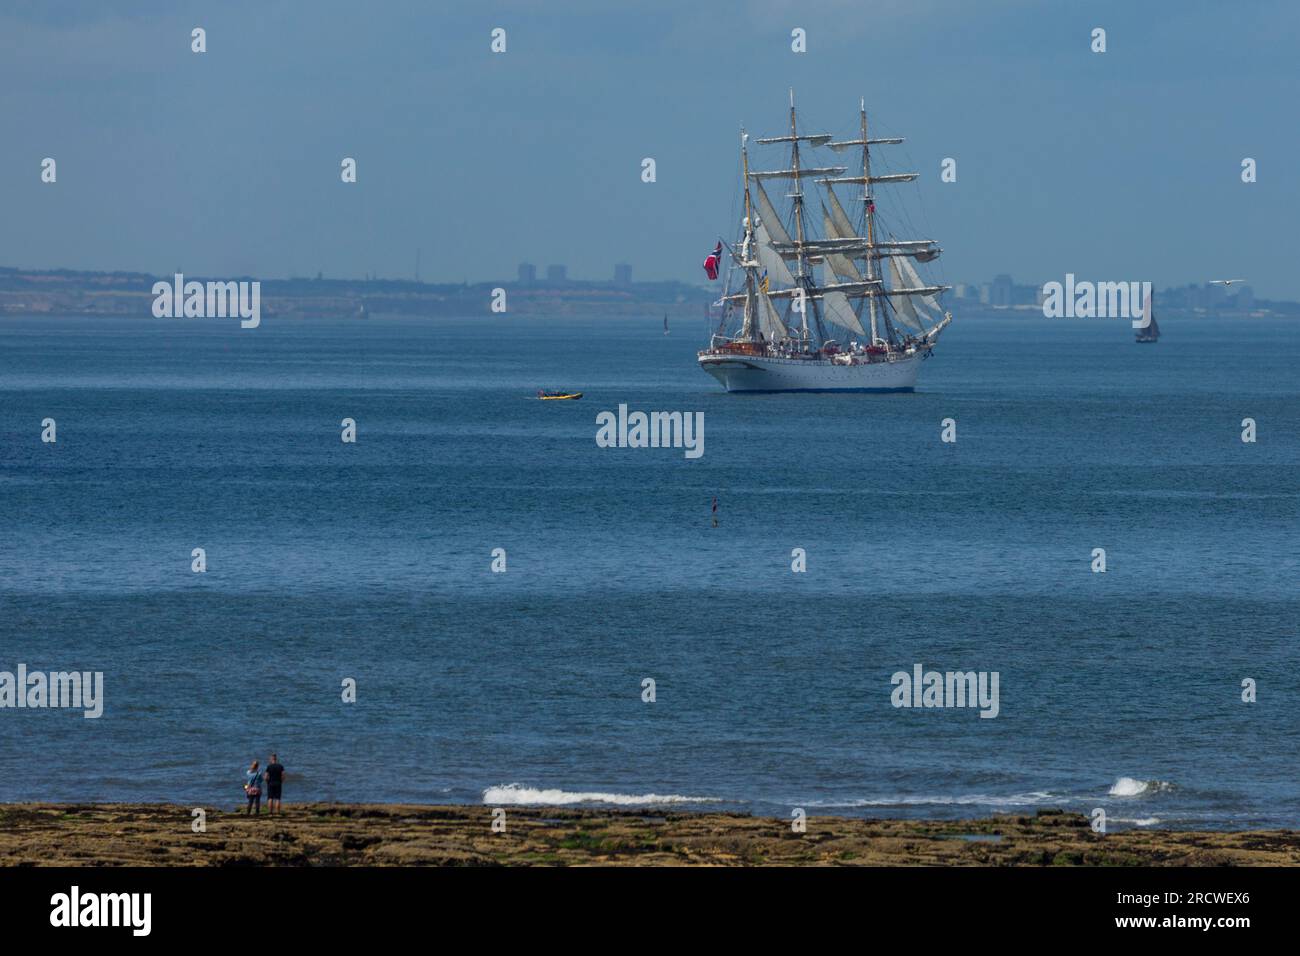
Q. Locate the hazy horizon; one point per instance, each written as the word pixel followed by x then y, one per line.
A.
pixel 1118 165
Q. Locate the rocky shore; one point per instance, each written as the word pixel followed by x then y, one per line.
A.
pixel 394 835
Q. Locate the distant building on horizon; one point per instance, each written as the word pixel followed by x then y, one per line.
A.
pixel 557 274
pixel 1209 297
pixel 623 274
pixel 1002 291
pixel 527 273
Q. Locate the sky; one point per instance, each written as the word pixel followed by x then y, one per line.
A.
pixel 1114 166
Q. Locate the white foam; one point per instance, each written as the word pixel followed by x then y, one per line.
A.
pixel 1015 800
pixel 1128 787
pixel 519 795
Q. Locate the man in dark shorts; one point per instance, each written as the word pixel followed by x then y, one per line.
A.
pixel 274 777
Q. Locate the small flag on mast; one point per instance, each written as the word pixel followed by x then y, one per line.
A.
pixel 713 261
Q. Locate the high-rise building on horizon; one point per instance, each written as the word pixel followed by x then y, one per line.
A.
pixel 623 274
pixel 527 272
pixel 557 274
pixel 1001 291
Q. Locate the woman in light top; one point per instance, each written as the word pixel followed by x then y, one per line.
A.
pixel 253 789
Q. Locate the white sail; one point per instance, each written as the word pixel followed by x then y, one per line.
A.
pixel 843 229
pixel 912 280
pixel 836 308
pixel 771 324
pixel 777 271
pixel 842 266
pixel 770 219
pixel 829 265
pixel 904 311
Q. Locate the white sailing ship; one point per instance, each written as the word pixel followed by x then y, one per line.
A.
pixel 789 330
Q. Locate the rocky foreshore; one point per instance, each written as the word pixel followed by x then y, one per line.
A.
pixel 395 835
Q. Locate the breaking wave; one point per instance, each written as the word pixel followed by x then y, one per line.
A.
pixel 1035 798
pixel 1128 787
pixel 516 794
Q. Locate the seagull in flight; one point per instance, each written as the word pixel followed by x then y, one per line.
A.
pixel 1225 281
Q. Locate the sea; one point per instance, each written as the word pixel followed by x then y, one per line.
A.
pixel 632 652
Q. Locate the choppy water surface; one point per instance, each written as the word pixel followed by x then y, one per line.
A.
pixel 372 561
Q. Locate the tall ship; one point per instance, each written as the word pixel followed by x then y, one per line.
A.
pixel 822 303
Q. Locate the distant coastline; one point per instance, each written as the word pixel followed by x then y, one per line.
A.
pixel 325 834
pixel 128 294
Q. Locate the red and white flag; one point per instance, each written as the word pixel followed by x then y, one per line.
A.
pixel 712 263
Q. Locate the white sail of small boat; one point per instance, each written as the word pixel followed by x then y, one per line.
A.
pixel 817 311
pixel 1149 330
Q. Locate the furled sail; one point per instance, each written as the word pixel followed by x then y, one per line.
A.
pixel 816 139
pixel 861 180
pixel 801 173
pixel 844 144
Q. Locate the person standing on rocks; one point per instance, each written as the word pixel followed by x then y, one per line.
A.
pixel 274 780
pixel 253 789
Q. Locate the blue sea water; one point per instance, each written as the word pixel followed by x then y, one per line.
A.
pixel 371 561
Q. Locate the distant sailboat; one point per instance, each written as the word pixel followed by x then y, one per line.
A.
pixel 665 323
pixel 1150 331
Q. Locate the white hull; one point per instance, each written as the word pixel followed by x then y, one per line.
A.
pixel 749 373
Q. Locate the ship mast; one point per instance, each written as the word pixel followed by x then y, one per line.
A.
pixel 870 207
pixel 797 196
pixel 747 245
pixel 767 245
pixel 803 277
pixel 906 283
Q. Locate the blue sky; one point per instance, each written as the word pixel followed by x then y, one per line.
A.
pixel 1122 165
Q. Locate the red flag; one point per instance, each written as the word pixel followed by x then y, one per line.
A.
pixel 713 261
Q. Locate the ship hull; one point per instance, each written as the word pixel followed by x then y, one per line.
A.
pixel 750 373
